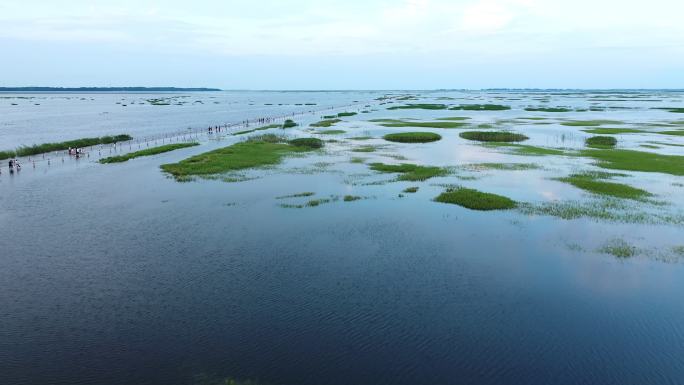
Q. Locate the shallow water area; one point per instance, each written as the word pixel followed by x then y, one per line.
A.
pixel 118 273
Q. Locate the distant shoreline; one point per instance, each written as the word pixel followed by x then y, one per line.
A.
pixel 105 89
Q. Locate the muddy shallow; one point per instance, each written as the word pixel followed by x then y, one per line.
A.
pixel 117 274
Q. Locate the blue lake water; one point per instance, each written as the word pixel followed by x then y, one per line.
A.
pixel 118 274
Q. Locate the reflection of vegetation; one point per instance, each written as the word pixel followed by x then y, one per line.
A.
pixel 475 200
pixel 413 137
pixel 481 107
pixel 78 143
pixel 147 152
pixel 601 142
pixel 493 136
pixel 619 248
pixel 410 172
pixel 255 152
pixel 594 183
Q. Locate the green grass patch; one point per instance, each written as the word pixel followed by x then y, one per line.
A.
pixel 357 160
pixel 326 123
pixel 480 107
pixel 78 143
pixel 594 183
pixel 413 137
pixel 612 131
pixel 351 198
pixel 298 195
pixel 548 109
pixel 475 200
pixel 618 248
pixel 419 107
pixel 257 129
pixel 493 136
pixel 365 149
pixel 411 190
pixel 502 166
pixel 455 118
pixel 345 114
pixel 362 138
pixel 331 132
pixel 674 132
pixel 601 142
pixel 523 149
pixel 394 123
pixel 7 154
pixel 289 123
pixel 589 123
pixel 147 152
pixel 257 152
pixel 410 172
pixel 631 160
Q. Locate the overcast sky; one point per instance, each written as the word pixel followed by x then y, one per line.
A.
pixel 352 44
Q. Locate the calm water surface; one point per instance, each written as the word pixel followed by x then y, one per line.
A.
pixel 117 274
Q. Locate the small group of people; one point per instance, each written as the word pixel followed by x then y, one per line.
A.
pixel 215 128
pixel 77 152
pixel 14 165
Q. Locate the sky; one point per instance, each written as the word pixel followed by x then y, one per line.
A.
pixel 352 44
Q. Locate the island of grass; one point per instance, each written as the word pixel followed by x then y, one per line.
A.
pixel 331 132
pixel 255 152
pixel 289 123
pixel 631 160
pixel 44 148
pixel 589 123
pixel 548 109
pixel 612 131
pixel 413 137
pixel 410 172
pixel 480 107
pixel 420 107
pixel 601 142
pixel 475 200
pixel 493 136
pixel 595 183
pixel 394 123
pixel 258 129
pixel 147 152
pixel 326 123
pixel 345 114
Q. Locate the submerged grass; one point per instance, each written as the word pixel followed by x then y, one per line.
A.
pixel 256 152
pixel 475 200
pixel 411 190
pixel 298 195
pixel 601 142
pixel 618 248
pixel 523 149
pixel 493 136
pixel 413 137
pixel 147 152
pixel 78 143
pixel 548 109
pixel 410 172
pixel 331 132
